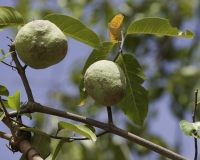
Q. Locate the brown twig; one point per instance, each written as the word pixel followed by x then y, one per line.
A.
pixel 36 107
pixel 193 119
pixel 21 71
pixel 8 118
pixel 70 139
pixel 8 65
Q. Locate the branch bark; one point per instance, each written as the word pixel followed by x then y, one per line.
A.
pixel 26 148
pixel 36 107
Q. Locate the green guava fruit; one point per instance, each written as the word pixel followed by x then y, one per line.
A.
pixel 40 44
pixel 105 82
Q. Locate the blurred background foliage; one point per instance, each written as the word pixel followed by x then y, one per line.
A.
pixel 170 64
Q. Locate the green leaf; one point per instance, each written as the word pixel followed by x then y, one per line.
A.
pixel 14 101
pixel 6 55
pixel 75 29
pixel 35 131
pixel 17 99
pixel 83 93
pixel 9 17
pixel 187 128
pixel 2 115
pixel 60 144
pixel 158 26
pixel 96 55
pixel 41 144
pixel 2 51
pixel 135 102
pixel 3 91
pixel 5 104
pixel 27 115
pixel 11 103
pixel 85 130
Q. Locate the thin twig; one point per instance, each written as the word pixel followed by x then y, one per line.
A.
pixel 8 65
pixel 7 118
pixel 21 71
pixel 193 119
pixel 69 139
pixel 120 47
pixel 36 107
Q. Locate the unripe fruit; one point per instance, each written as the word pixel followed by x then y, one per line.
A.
pixel 40 44
pixel 105 82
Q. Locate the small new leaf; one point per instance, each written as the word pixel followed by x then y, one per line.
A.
pixel 14 101
pixel 187 128
pixel 85 130
pixel 2 51
pixel 5 55
pixel 115 28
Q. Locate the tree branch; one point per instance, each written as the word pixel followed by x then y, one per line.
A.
pixel 5 135
pixel 36 107
pixel 30 153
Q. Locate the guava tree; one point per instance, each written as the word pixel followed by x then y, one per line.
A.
pixel 134 104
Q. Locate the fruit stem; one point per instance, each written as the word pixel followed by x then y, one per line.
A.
pixel 120 47
pixel 109 111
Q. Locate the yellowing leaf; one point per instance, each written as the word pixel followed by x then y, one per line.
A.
pixel 115 28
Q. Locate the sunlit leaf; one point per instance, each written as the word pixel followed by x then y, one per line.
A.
pixel 9 17
pixel 157 26
pixel 85 130
pixel 3 91
pixel 75 29
pixel 115 28
pixel 14 101
pixel 17 100
pixel 96 55
pixel 190 129
pixel 135 102
pixel 187 128
pixel 58 147
pixel 4 57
